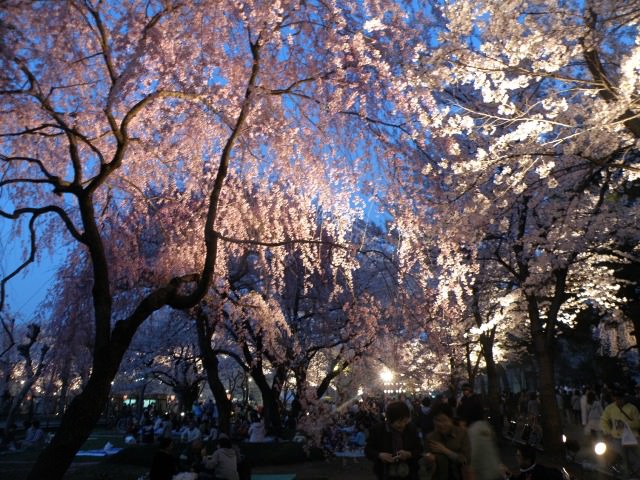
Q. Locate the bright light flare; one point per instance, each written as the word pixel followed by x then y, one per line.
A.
pixel 600 448
pixel 386 375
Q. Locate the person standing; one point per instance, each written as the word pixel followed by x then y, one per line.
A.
pixel 583 406
pixel 594 413
pixel 575 407
pixel 448 447
pixel 484 459
pixel 394 445
pixel 470 406
pixel 426 417
pixel 620 416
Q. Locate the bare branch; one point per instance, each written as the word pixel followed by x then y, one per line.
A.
pixel 35 131
pixel 23 265
pixel 289 89
pixel 44 210
pixel 9 333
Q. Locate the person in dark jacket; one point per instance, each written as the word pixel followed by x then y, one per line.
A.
pixel 426 417
pixel 530 469
pixel 448 447
pixel 394 446
pixel 470 406
pixel 163 465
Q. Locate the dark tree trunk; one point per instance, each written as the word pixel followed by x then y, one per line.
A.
pixel 187 394
pixel 110 345
pixel 77 424
pixel 64 391
pixel 211 364
pixel 543 339
pixel 270 400
pixel 551 419
pixel 493 394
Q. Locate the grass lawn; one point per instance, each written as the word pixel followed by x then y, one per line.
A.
pixel 134 460
pixel 16 465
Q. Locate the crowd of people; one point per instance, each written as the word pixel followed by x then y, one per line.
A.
pixel 449 442
pixel 445 437
pixel 191 442
pixel 458 443
pixel 34 437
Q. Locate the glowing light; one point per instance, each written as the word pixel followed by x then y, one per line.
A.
pixel 386 375
pixel 600 448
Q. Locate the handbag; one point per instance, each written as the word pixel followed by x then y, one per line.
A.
pixel 397 470
pixel 628 439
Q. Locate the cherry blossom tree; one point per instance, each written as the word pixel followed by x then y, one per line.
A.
pixel 165 350
pixel 273 336
pixel 533 109
pixel 126 126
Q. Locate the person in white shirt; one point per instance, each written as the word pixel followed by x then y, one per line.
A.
pixel 594 412
pixel 257 431
pixel 223 463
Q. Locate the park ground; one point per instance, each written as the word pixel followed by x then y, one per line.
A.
pixel 134 462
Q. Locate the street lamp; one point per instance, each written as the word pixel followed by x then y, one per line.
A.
pixel 386 376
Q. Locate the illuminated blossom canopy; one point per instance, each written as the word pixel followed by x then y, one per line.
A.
pixel 160 140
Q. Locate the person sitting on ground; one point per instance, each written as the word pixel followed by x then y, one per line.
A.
pixel 166 427
pixel 192 433
pixel 448 447
pixel 223 463
pixel 163 466
pixel 530 469
pixel 8 439
pixel 257 430
pixel 394 446
pixel 358 438
pixel 146 431
pixel 35 436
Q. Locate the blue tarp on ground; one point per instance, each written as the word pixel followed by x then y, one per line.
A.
pixel 98 453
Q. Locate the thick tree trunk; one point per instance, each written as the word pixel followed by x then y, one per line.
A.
pixel 77 424
pixel 493 394
pixel 504 378
pixel 543 344
pixel 17 401
pixel 211 364
pixel 271 406
pixel 219 393
pixel 187 394
pixel 551 419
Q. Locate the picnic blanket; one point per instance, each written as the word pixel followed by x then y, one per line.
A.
pixel 105 451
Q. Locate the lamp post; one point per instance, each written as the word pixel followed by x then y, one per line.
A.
pixel 386 376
